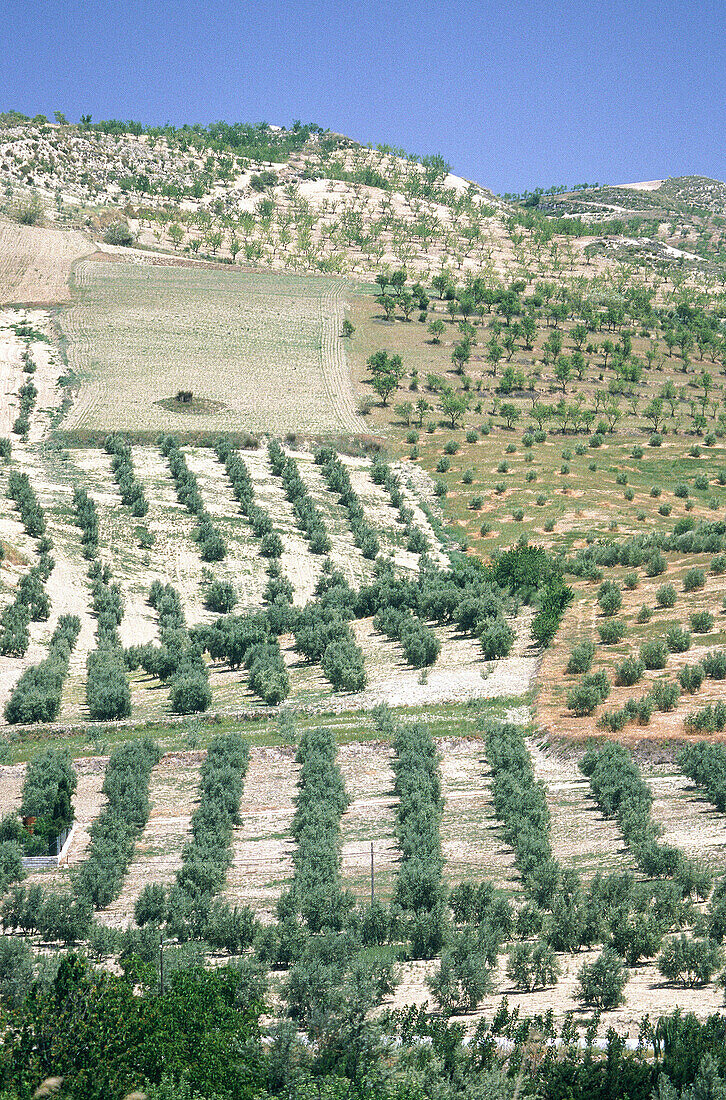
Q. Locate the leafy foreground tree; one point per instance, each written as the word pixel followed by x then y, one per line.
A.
pixel 92 1030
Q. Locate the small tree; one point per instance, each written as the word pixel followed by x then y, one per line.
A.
pixel 463 976
pixel 689 962
pixel 511 414
pixel 601 983
pixel 453 407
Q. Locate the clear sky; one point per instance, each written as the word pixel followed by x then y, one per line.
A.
pixel 514 95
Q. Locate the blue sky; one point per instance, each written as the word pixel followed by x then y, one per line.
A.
pixel 514 95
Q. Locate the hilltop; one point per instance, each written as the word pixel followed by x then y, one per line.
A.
pixel 309 200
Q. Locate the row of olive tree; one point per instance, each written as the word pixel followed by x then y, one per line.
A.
pixel 37 695
pixel 211 543
pixel 190 908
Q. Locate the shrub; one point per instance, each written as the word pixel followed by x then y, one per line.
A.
pixel 220 596
pixel 630 581
pixel 681 491
pixel 601 983
pixel 714 664
pixel 443 465
pixel 702 622
pixel 532 966
pixel 463 977
pixel 610 598
pixel 677 639
pixel 588 694
pixel 580 659
pixel 665 596
pixel 119 233
pixel 689 962
pixel 612 631
pixel 664 695
pixel 644 615
pixel 497 639
pixel 718 564
pixel 107 689
pixel 693 579
pixel 190 692
pixel 654 653
pixel 655 565
pixel 629 671
pixel 691 677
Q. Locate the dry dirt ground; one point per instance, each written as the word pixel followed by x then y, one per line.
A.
pixel 269 349
pixel 35 263
pixel 645 992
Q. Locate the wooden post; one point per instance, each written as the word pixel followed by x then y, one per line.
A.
pixel 161 963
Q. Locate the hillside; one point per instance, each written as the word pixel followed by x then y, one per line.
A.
pixel 363 552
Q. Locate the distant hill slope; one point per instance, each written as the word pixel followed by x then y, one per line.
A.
pixel 308 200
pixel 685 212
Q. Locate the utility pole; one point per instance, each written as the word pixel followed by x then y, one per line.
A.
pixel 161 963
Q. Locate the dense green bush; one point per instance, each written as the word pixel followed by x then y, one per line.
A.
pixel 677 639
pixel 714 664
pixel 654 653
pixel 701 622
pixel 610 598
pixel 220 596
pixel 691 677
pixel 107 689
pixel 580 659
pixel 665 596
pixel 693 579
pixel 612 631
pixel 629 671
